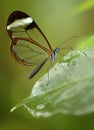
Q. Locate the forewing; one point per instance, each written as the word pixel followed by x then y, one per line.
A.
pixel 21 25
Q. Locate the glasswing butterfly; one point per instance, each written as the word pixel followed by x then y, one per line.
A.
pixel 29 46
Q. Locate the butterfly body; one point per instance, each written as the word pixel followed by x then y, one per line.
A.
pixel 54 54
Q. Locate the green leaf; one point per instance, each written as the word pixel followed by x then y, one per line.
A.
pixel 70 89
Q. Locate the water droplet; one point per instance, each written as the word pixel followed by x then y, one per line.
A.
pixel 40 106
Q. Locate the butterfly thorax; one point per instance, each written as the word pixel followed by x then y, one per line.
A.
pixel 54 54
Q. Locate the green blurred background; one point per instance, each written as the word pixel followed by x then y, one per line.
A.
pixel 59 20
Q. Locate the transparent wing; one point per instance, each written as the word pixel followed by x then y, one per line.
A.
pixel 29 45
pixel 25 52
pixel 21 25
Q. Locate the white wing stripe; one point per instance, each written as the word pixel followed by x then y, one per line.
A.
pixel 20 23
